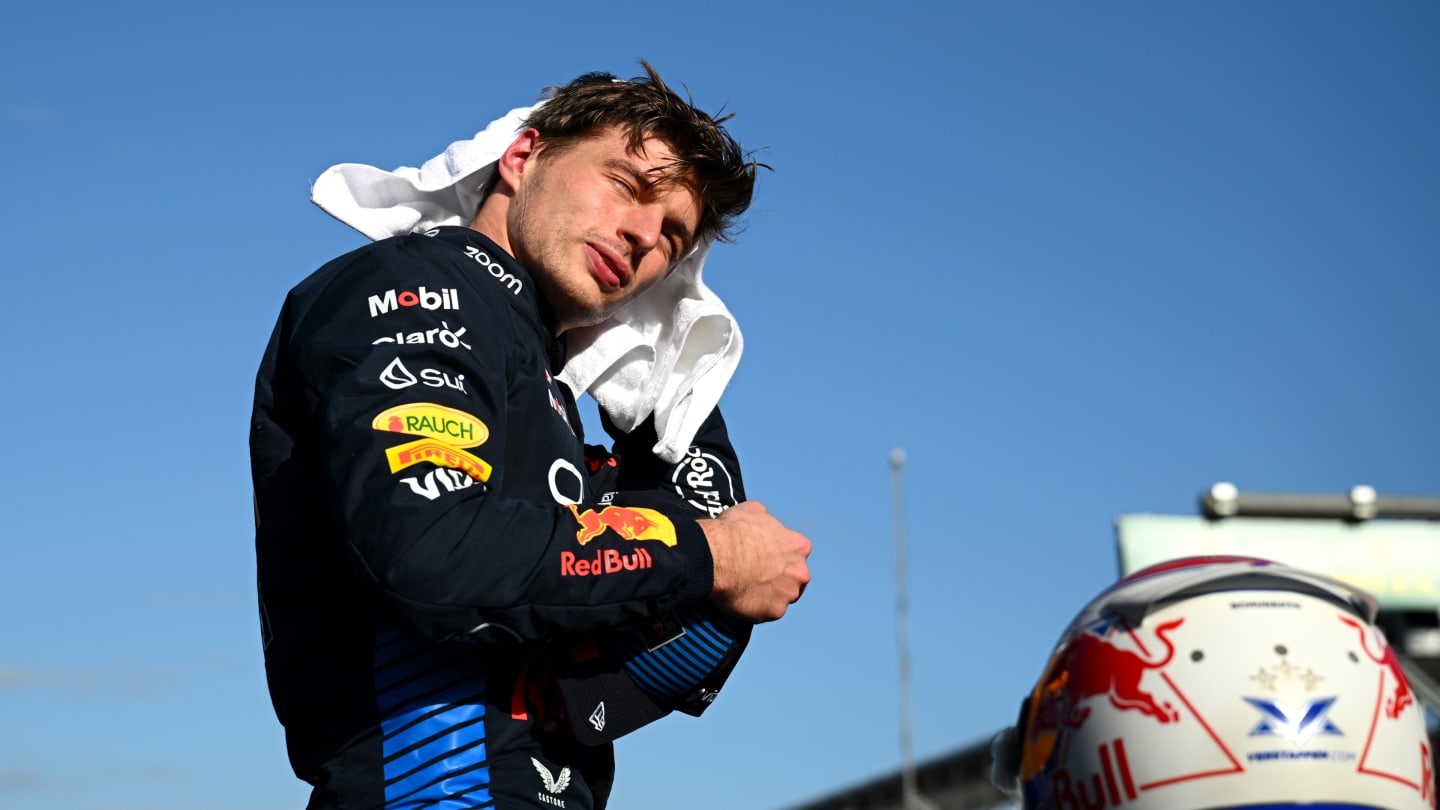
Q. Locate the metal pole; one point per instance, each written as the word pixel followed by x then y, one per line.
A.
pixel 910 797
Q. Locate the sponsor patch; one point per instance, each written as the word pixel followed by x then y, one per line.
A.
pixel 438 482
pixel 604 561
pixel 438 453
pixel 445 336
pixel 703 482
pixel 397 378
pixel 553 783
pixel 453 427
pixel 495 269
pixel 555 404
pixel 631 524
pixel 391 300
pixel 661 631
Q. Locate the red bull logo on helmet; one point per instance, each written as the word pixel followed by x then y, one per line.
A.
pixel 630 523
pixel 1094 666
pixel 1427 775
pixel 1399 699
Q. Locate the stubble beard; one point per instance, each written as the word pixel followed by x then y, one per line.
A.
pixel 542 249
pixel 559 261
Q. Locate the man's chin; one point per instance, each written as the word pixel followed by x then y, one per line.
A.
pixel 595 313
pixel 595 319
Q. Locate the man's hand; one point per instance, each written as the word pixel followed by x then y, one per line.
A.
pixel 760 567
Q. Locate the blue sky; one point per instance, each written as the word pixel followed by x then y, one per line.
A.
pixel 1077 259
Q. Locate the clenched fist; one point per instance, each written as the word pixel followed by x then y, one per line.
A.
pixel 760 565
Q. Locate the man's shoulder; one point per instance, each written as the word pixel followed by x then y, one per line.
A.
pixel 495 271
pixel 404 255
pixel 425 270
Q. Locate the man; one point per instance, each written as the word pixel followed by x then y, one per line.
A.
pixel 435 545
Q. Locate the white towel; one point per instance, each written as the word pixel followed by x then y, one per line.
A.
pixel 670 352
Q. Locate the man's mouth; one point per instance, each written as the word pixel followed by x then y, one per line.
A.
pixel 608 267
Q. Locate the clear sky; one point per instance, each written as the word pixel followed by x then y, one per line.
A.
pixel 1076 258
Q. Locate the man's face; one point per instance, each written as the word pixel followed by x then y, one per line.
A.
pixel 598 225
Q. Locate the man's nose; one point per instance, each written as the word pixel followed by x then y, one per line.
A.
pixel 640 228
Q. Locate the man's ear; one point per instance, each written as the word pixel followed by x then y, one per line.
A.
pixel 517 158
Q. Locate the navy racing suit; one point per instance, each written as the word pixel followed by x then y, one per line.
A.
pixel 427 518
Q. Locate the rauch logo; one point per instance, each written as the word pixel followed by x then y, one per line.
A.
pixel 435 421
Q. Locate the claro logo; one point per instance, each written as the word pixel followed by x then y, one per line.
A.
pixel 445 336
pixel 495 269
pixel 391 300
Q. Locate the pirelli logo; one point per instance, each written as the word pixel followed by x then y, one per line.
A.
pixel 438 453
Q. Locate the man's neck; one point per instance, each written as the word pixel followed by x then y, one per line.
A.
pixel 490 220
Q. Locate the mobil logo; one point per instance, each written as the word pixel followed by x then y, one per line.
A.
pixel 631 524
pixel 391 300
pixel 1094 665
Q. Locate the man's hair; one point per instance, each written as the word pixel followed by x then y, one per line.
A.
pixel 645 107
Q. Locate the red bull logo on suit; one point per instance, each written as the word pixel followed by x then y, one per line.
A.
pixel 631 524
pixel 605 561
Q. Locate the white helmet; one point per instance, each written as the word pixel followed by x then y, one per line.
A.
pixel 1221 682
